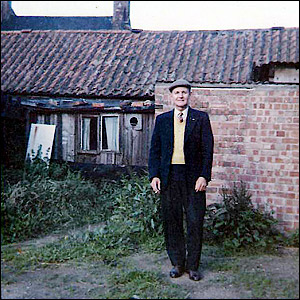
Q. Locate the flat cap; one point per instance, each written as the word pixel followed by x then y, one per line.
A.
pixel 180 82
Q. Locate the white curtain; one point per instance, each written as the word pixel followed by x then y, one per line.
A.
pixel 86 130
pixel 111 124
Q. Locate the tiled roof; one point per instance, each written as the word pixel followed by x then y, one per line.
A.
pixel 128 64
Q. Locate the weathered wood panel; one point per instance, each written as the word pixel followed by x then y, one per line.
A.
pixel 137 142
pixel 68 137
pixel 134 141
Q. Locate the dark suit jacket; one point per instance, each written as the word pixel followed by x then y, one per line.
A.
pixel 198 146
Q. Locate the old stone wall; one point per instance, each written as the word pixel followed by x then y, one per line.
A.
pixel 256 133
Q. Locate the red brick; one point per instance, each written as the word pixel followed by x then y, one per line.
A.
pixel 278 160
pixel 289 210
pixel 292 203
pixel 290 141
pixel 280 133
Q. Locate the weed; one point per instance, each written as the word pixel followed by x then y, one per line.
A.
pixel 48 199
pixel 292 239
pixel 238 225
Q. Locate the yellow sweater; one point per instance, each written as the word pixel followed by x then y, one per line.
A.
pixel 178 154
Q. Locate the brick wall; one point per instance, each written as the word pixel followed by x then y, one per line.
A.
pixel 256 132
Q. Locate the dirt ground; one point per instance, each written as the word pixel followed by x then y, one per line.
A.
pixel 88 280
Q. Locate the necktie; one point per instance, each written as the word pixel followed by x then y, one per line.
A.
pixel 180 117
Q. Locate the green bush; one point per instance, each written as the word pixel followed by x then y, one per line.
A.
pixel 135 217
pixel 51 198
pixel 237 224
pixel 48 199
pixel 292 239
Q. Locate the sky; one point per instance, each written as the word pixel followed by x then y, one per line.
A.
pixel 177 15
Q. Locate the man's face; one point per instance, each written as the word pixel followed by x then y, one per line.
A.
pixel 181 96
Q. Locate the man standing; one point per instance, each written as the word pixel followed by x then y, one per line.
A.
pixel 180 163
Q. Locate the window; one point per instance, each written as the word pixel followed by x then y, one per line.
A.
pixel 110 133
pixel 89 133
pixel 100 133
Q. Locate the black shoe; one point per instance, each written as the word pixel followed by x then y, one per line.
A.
pixel 176 271
pixel 194 275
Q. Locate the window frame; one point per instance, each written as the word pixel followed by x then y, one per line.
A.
pixel 118 133
pixel 96 151
pixel 99 134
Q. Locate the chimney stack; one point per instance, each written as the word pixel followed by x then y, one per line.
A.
pixel 6 11
pixel 121 16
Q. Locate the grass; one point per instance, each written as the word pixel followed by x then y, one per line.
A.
pixel 125 284
pixel 257 274
pixel 261 285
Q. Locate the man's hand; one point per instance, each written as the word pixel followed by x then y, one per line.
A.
pixel 200 184
pixel 155 184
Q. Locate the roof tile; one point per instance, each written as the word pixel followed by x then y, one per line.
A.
pixel 127 64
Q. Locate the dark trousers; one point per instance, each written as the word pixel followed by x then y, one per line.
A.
pixel 177 198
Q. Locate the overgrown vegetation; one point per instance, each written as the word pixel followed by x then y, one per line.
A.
pixel 45 200
pixel 292 239
pixel 41 199
pixel 55 198
pixel 236 224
